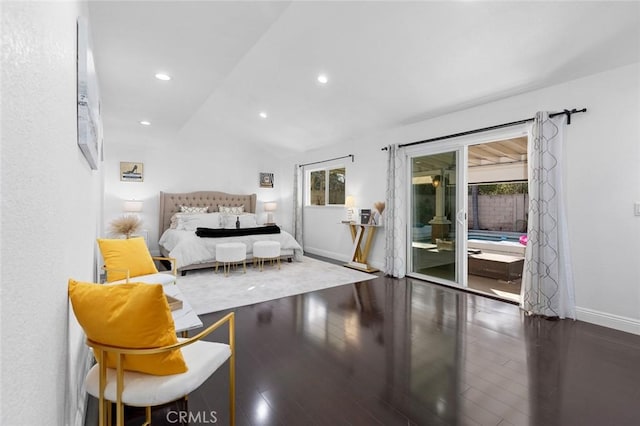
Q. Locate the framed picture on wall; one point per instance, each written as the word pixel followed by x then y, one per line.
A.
pixel 365 216
pixel 131 172
pixel 89 119
pixel 266 180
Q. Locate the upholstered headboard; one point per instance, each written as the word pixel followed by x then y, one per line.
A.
pixel 170 203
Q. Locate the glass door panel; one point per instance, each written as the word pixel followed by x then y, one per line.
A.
pixel 434 210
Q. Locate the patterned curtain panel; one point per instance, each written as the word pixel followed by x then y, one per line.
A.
pixel 298 187
pixel 396 214
pixel 547 280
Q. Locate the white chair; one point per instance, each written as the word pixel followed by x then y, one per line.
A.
pixel 145 390
pixel 231 254
pixel 269 250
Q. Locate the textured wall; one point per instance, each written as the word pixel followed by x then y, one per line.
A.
pixel 503 212
pixel 51 203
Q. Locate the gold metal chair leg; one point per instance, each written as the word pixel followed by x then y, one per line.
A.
pixel 147 411
pixel 232 372
pixel 119 390
pixel 106 411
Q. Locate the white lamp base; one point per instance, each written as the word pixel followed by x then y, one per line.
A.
pixel 269 219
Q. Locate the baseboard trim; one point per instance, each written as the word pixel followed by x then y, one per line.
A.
pixel 325 253
pixel 340 257
pixel 617 322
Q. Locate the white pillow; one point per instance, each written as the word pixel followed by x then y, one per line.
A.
pixel 247 220
pixel 189 222
pixel 190 209
pixel 176 218
pixel 231 210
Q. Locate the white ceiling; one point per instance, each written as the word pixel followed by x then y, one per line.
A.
pixel 389 63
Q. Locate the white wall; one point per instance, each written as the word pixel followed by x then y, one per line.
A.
pixel 603 181
pixel 185 163
pixel 366 181
pixel 51 208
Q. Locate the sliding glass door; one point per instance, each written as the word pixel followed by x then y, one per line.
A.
pixel 438 217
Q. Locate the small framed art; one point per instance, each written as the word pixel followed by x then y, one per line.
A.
pixel 266 180
pixel 365 216
pixel 131 172
pixel 89 118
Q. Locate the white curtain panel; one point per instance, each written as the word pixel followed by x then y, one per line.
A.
pixel 396 214
pixel 298 187
pixel 547 279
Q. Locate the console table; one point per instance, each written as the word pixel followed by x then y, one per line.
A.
pixel 359 254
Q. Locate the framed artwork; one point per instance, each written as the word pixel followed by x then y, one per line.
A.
pixel 365 216
pixel 89 120
pixel 131 172
pixel 266 180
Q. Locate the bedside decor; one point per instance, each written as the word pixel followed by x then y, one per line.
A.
pixel 266 180
pixel 132 206
pixel 270 208
pixel 125 225
pixel 131 172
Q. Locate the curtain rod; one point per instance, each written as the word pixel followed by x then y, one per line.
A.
pixel 497 126
pixel 330 159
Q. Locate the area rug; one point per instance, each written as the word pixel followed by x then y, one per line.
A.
pixel 208 292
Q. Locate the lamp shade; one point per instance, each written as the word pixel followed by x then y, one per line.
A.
pixel 132 206
pixel 270 207
pixel 350 202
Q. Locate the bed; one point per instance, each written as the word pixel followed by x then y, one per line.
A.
pixel 193 252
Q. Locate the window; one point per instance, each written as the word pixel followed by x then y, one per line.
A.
pixel 327 186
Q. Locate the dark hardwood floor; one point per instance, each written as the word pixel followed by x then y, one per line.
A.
pixel 406 352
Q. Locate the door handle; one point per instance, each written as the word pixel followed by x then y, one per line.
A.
pixel 461 217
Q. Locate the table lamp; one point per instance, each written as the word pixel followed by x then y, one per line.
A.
pixel 270 207
pixel 350 204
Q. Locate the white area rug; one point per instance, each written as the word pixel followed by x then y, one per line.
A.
pixel 207 291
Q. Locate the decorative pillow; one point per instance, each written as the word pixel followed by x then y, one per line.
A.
pixel 202 220
pixel 130 254
pixel 230 209
pixel 174 220
pixel 130 316
pixel 247 220
pixel 189 209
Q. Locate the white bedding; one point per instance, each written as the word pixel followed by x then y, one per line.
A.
pixel 189 249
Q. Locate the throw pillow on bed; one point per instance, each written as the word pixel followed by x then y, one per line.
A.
pixel 190 209
pixel 231 210
pixel 190 222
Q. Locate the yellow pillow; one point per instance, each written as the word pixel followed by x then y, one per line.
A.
pixel 131 316
pixel 122 254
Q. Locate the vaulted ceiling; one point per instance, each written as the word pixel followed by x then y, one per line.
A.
pixel 388 63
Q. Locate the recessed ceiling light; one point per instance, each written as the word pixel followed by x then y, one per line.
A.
pixel 145 123
pixel 323 79
pixel 163 77
pixel 263 114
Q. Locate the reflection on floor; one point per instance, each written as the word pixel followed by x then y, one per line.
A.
pixel 405 352
pixel 508 290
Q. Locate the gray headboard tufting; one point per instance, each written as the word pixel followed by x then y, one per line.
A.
pixel 170 203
